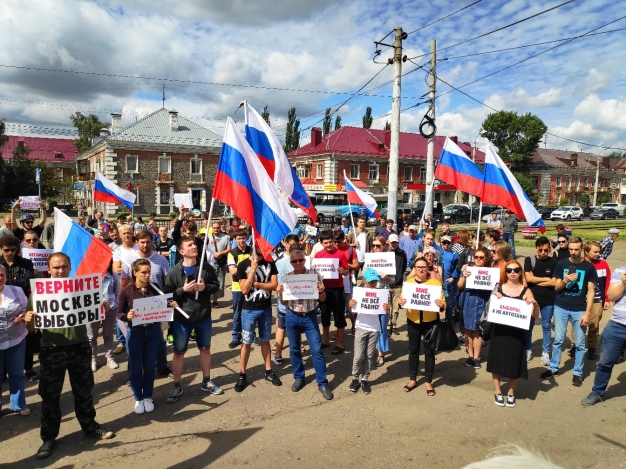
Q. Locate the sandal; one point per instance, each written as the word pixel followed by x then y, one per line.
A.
pixel 380 361
pixel 430 392
pixel 337 350
pixel 25 412
pixel 408 388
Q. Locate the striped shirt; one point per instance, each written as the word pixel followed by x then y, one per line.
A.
pixel 606 247
pixel 303 306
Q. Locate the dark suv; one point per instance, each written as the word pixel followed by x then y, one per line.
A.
pixel 418 209
pixel 457 214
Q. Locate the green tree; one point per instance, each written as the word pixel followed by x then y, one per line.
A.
pixel 328 120
pixel 87 127
pixel 617 154
pixel 266 115
pixel 292 135
pixel 3 138
pixel 603 197
pixel 582 198
pixel 367 118
pixel 337 122
pixel 563 201
pixel 387 125
pixel 19 176
pixel 516 136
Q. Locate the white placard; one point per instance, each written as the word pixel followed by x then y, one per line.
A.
pixel 300 287
pixel 67 302
pixel 482 278
pixel 381 262
pixel 183 199
pixel 30 202
pixel 370 300
pixel 327 268
pixel 510 312
pixel 420 296
pixel 152 309
pixel 39 257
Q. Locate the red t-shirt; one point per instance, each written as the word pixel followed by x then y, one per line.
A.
pixel 346 251
pixel 343 263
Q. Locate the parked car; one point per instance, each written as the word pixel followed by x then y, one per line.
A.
pixel 589 210
pixel 418 209
pixel 604 214
pixel 618 207
pixel 454 214
pixel 567 212
pixel 402 209
pixel 545 211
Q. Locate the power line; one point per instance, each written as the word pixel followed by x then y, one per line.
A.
pixel 440 19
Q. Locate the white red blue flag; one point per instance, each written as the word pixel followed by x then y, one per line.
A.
pixel 358 197
pixel 105 191
pixel 243 183
pixel 501 188
pixel 88 254
pixel 266 145
pixel 454 167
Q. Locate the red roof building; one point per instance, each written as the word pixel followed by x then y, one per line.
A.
pixel 59 154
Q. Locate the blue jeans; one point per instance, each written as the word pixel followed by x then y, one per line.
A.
pixel 253 318
pixel 161 362
pixel 143 347
pixel 15 368
pixel 308 325
pixel 510 238
pixel 118 334
pixel 529 334
pixel 383 337
pixel 561 318
pixel 237 306
pixel 613 340
pixel 547 311
pixel 449 292
pixel 182 334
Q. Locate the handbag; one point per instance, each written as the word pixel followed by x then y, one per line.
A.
pixel 442 336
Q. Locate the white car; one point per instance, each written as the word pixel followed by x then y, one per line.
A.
pixel 567 212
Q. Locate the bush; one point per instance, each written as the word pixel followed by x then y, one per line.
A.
pixel 122 214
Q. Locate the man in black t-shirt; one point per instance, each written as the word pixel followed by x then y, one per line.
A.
pixel 28 221
pixel 257 279
pixel 538 271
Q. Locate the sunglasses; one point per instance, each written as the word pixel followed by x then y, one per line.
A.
pixel 377 245
pixel 445 242
pixel 510 270
pixel 562 242
pixel 297 261
pixel 479 257
pixel 27 222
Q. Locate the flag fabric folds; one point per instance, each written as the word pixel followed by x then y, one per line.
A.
pixel 243 183
pixel 501 188
pixel 266 145
pixel 454 167
pixel 105 191
pixel 88 254
pixel 357 196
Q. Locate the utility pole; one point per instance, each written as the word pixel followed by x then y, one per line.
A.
pixel 430 155
pixel 392 193
pixel 163 96
pixel 595 187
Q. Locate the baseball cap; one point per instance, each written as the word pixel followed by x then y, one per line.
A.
pixel 413 227
pixel 446 238
pixel 26 216
pixel 344 219
pixel 370 275
pixel 614 231
pixel 393 238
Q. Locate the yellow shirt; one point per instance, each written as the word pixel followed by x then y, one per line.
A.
pixel 428 316
pixel 235 256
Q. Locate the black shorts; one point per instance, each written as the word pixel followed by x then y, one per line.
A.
pixel 336 304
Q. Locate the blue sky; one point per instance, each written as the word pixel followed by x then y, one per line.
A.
pixel 326 47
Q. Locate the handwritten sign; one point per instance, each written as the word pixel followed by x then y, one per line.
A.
pixel 327 268
pixel 510 312
pixel 421 297
pixel 370 300
pixel 39 257
pixel 30 202
pixel 67 302
pixel 482 278
pixel 383 262
pixel 152 309
pixel 183 199
pixel 300 287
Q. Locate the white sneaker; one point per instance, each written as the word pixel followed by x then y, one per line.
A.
pixel 112 363
pixel 94 365
pixel 148 405
pixel 545 358
pixel 529 355
pixel 139 407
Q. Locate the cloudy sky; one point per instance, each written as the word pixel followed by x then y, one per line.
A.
pixel 211 54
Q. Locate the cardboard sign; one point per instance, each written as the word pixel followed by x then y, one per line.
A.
pixel 482 278
pixel 370 300
pixel 510 312
pixel 152 309
pixel 327 268
pixel 39 257
pixel 183 199
pixel 67 302
pixel 300 287
pixel 421 297
pixel 383 262
pixel 30 202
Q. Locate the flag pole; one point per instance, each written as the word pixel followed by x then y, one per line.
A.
pixel 349 207
pixel 480 213
pixel 206 238
pixel 254 256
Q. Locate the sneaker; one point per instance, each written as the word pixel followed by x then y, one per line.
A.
pixel 549 374
pixel 510 400
pixel 572 351
pixel 469 362
pixel 276 360
pixel 139 407
pixel 545 358
pixel 241 384
pixel 591 399
pixel 46 449
pixel 30 375
pixel 119 349
pixel 365 387
pixel 352 332
pixel 529 355
pixel 94 365
pixel 170 339
pixel 577 381
pixel 210 386
pixel 192 336
pixel 477 365
pixel 148 404
pixel 234 343
pixel 499 400
pixel 175 393
pixel 591 354
pixel 165 372
pixel 354 385
pixel 111 363
pixel 256 342
pixel 101 434
pixel 272 378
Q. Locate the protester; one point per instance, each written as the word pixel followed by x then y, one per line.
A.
pixel 450 274
pixel 432 223
pixel 388 229
pixel 500 254
pixel 361 240
pixel 139 225
pixel 311 235
pixel 7 229
pixel 494 223
pixel 237 255
pixel 507 357
pixel 600 300
pixel 561 251
pixel 462 242
pixel 380 245
pixel 509 227
pixel 409 245
pixel 345 227
pixel 219 243
pixel 163 243
pixel 28 221
pixel 353 265
pixel 381 227
pixel 606 245
pixel 64 349
pixel 445 231
pixel 434 269
pixel 395 285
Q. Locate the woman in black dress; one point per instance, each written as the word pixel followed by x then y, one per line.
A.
pixel 507 350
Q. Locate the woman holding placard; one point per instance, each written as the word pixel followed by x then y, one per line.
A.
pixel 380 245
pixel 311 235
pixel 507 352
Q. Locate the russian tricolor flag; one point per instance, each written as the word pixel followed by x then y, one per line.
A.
pixel 88 254
pixel 357 196
pixel 266 145
pixel 454 167
pixel 107 192
pixel 243 183
pixel 501 188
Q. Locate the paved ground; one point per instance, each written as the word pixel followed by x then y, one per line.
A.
pixel 268 426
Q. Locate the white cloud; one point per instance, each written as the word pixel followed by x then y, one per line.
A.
pixel 609 114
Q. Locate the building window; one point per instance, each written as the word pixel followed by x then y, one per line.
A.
pixel 567 182
pixel 558 181
pixel 422 174
pixel 165 196
pixel 405 197
pixel 535 181
pixel 354 171
pixel 408 173
pixel 132 164
pixel 319 171
pixel 303 171
pixel 373 173
pixel 196 165
pixel 165 163
pixel 58 173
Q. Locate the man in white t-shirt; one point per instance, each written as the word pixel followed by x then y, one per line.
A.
pixel 361 240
